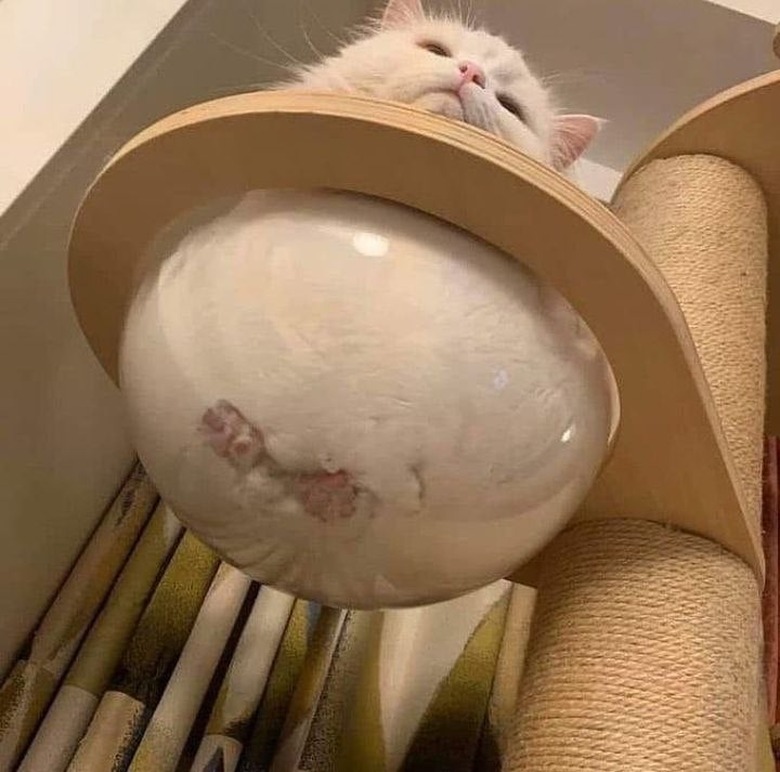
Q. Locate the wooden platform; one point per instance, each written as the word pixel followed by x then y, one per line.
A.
pixel 270 140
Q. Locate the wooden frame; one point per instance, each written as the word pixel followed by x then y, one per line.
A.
pixel 741 125
pixel 669 462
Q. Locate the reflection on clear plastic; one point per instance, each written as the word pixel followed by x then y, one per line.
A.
pixel 371 244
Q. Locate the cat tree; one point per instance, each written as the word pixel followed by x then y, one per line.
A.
pixel 644 654
pixel 646 642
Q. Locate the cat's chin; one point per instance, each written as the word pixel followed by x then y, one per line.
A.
pixel 441 103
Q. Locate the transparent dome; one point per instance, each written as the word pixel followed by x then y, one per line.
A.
pixel 358 403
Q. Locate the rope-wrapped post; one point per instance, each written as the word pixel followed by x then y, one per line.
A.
pixel 645 649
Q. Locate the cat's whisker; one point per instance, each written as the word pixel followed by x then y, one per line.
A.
pixel 471 13
pixel 249 54
pixel 571 77
pixel 460 12
pixel 309 42
pixel 293 60
pixel 340 41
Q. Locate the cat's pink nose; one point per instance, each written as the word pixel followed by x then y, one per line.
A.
pixel 471 72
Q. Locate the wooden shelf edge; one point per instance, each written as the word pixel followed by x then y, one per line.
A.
pixel 740 125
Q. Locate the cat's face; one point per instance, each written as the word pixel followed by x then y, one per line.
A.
pixel 467 74
pixel 449 69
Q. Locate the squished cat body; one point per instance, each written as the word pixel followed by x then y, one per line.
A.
pixel 447 67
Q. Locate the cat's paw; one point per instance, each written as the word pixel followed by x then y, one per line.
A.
pixel 327 496
pixel 232 437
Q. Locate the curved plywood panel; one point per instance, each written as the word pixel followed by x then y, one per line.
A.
pixel 742 125
pixel 479 183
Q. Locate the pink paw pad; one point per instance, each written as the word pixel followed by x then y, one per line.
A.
pixel 231 436
pixel 327 497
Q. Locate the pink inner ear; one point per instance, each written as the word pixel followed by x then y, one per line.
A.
pixel 572 135
pixel 400 12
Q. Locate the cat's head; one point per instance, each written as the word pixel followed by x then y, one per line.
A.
pixel 445 66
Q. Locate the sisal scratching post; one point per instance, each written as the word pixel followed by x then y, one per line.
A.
pixel 644 654
pixel 703 221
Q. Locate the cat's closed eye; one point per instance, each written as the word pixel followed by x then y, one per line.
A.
pixel 511 106
pixel 435 48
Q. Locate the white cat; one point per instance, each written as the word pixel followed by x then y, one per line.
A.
pixel 447 67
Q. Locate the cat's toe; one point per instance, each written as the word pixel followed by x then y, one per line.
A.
pixel 231 436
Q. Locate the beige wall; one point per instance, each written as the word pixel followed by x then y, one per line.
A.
pixel 63 449
pixel 57 59
pixel 768 10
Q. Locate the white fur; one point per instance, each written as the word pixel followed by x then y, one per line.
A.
pixel 390 63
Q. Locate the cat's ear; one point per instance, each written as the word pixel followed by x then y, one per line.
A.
pixel 399 13
pixel 571 136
